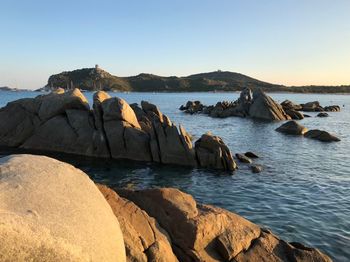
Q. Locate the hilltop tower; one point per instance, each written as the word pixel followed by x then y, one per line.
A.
pixel 97 67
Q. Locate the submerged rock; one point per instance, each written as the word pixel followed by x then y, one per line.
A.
pixel 51 211
pixel 334 108
pixel 256 168
pixel 251 155
pixel 243 158
pixel 322 114
pixel 321 135
pixel 292 128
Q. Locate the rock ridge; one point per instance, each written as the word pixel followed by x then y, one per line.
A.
pixel 64 122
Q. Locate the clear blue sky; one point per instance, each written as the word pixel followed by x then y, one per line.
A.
pixel 290 42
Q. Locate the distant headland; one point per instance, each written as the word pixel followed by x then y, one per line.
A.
pixel 93 79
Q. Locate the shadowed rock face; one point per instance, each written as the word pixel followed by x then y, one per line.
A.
pixel 63 122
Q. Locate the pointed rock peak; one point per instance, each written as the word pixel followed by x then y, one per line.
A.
pixel 100 96
pixel 117 108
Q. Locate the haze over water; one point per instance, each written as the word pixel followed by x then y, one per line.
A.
pixel 303 193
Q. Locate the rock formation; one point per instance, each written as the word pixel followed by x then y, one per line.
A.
pixel 51 211
pixel 206 233
pixel 63 122
pixel 294 128
pixel 250 104
pixel 258 105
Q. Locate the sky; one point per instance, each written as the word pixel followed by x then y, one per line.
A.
pixel 291 42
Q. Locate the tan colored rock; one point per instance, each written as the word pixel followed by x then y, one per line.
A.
pixel 144 239
pixel 321 135
pixel 264 107
pixel 148 107
pixel 118 109
pixel 173 147
pixel 292 128
pixel 51 211
pixel 57 103
pixel 271 249
pixel 212 152
pixel 197 227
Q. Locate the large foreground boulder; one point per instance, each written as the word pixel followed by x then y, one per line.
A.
pixel 144 239
pixel 51 211
pixel 206 233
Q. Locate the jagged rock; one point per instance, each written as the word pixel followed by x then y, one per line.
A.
pixel 292 128
pixel 322 114
pixel 270 248
pixel 243 158
pixel 264 107
pixel 334 108
pixel 144 239
pixel 321 135
pixel 294 114
pixel 192 107
pixel 207 233
pixel 57 103
pixel 251 155
pixel 256 168
pixel 113 129
pixel 197 226
pixel 213 153
pixel 51 211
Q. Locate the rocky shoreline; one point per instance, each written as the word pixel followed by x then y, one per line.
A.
pixel 51 210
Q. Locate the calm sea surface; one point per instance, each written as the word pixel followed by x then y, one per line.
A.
pixel 302 195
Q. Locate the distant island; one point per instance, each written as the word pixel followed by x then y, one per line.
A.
pixel 6 88
pixel 93 79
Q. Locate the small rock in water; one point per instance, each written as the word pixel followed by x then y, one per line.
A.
pixel 321 135
pixel 323 114
pixel 243 158
pixel 306 115
pixel 292 128
pixel 256 168
pixel 251 155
